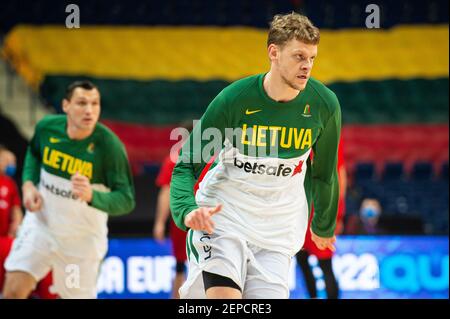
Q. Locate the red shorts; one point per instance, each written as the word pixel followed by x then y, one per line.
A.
pixel 178 238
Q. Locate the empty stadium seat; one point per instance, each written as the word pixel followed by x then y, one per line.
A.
pixel 325 14
pixel 420 197
pixel 422 171
pixel 364 171
pixel 444 172
pixel 393 171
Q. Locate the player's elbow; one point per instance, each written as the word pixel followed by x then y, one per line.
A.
pixel 131 204
pixel 128 204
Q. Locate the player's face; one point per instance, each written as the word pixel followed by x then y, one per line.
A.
pixel 83 109
pixel 295 61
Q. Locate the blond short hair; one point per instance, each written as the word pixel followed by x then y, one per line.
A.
pixel 285 27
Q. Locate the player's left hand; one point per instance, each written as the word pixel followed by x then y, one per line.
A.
pixel 323 242
pixel 81 187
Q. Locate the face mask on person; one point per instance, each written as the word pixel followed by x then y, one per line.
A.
pixel 369 213
pixel 10 170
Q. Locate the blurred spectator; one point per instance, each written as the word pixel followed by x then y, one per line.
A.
pixel 14 141
pixel 367 222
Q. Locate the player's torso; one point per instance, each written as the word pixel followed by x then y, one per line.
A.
pixel 271 141
pixel 259 175
pixel 63 214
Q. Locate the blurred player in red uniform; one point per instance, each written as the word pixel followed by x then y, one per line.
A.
pixel 10 218
pixel 10 207
pixel 325 256
pixel 177 236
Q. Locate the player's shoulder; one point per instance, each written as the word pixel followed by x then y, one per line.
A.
pixel 51 124
pixel 325 94
pixel 52 120
pixel 107 136
pixel 240 86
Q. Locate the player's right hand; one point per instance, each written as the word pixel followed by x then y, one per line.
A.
pixel 32 199
pixel 200 218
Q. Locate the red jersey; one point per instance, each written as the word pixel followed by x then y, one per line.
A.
pixel 9 198
pixel 165 172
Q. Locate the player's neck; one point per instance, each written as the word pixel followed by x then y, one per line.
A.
pixel 76 133
pixel 277 89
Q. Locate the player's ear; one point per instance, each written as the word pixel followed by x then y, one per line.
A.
pixel 273 52
pixel 65 105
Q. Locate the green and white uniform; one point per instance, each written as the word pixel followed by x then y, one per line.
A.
pixel 263 174
pixel 71 228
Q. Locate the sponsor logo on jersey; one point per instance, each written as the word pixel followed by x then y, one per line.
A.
pixel 274 136
pixel 262 169
pixel 248 112
pixel 58 191
pixel 66 163
pixel 54 140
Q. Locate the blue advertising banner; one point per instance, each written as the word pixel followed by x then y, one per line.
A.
pixel 366 267
pixel 382 267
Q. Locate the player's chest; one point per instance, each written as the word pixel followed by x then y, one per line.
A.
pixel 68 158
pixel 293 131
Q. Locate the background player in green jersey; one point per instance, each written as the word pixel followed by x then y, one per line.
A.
pixel 250 214
pixel 76 173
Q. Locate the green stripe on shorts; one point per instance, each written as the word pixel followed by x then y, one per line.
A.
pixel 194 251
pixel 187 247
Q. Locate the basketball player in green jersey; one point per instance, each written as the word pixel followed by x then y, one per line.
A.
pixel 250 214
pixel 76 174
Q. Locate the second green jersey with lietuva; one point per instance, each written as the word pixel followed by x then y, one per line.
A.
pixel 52 158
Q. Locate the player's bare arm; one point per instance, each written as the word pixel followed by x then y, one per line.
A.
pixel 162 213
